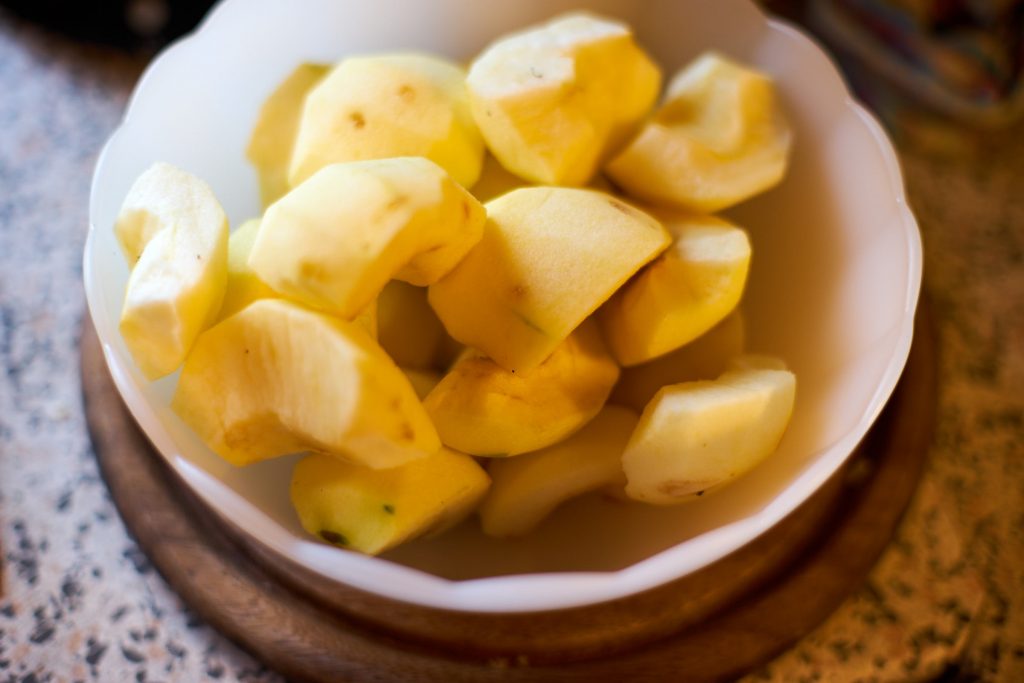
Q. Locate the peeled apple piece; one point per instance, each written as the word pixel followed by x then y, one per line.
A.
pixel 390 105
pixel 527 488
pixel 277 378
pixel 554 100
pixel 369 510
pixel 483 409
pixel 683 293
pixel 549 256
pixel 334 241
pixel 698 435
pixel 174 234
pixel 273 136
pixel 718 139
pixel 706 357
pixel 243 285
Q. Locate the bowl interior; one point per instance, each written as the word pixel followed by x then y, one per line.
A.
pixel 833 284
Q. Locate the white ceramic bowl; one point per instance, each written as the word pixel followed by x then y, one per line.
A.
pixel 834 283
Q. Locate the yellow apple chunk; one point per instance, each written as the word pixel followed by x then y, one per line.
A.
pixel 682 294
pixel 698 435
pixel 408 328
pixel 527 488
pixel 706 357
pixel 548 258
pixel 174 234
pixel 719 138
pixel 273 136
pixel 395 105
pixel 483 409
pixel 552 101
pixel 334 241
pixel 243 285
pixel 369 510
pixel 276 378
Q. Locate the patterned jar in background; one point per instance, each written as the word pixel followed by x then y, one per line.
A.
pixel 939 72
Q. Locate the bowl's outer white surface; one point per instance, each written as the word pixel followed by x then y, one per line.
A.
pixel 834 283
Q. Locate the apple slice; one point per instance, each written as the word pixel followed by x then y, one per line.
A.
pixel 552 101
pixel 683 293
pixel 369 510
pixel 273 136
pixel 389 105
pixel 527 488
pixel 174 234
pixel 718 139
pixel 334 241
pixel 483 409
pixel 695 436
pixel 276 378
pixel 243 285
pixel 548 258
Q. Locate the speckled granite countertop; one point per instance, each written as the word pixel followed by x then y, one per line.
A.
pixel 79 601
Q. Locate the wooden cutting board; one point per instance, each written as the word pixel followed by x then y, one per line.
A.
pixel 731 617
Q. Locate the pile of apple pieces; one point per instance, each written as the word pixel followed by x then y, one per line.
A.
pixel 381 318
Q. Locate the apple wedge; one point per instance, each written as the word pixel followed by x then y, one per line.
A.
pixel 243 285
pixel 273 136
pixel 553 100
pixel 483 409
pixel 334 241
pixel 370 510
pixel 390 105
pixel 719 138
pixel 549 256
pixel 174 234
pixel 527 488
pixel 683 293
pixel 276 378
pixel 696 436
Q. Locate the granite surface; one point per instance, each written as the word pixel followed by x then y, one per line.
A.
pixel 79 601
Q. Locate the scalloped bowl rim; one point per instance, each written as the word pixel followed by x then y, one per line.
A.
pixel 539 591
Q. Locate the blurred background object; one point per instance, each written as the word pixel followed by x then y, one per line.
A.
pixel 929 68
pixel 939 72
pixel 135 24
